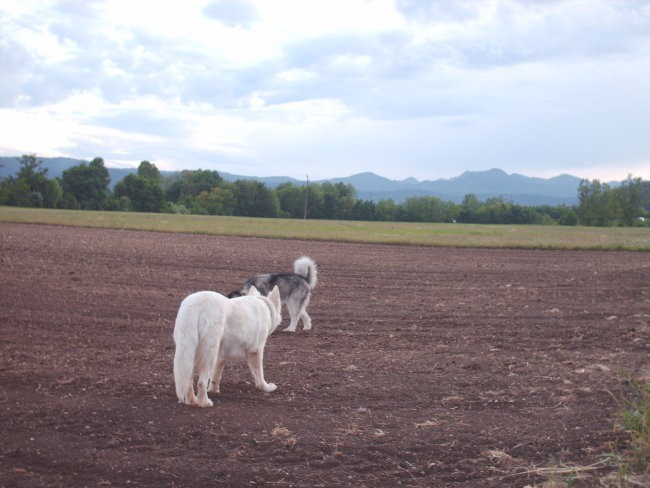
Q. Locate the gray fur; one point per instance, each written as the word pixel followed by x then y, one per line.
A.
pixel 295 289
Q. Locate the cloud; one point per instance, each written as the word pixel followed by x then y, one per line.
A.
pixel 232 13
pixel 143 120
pixel 402 87
pixel 482 35
pixel 427 12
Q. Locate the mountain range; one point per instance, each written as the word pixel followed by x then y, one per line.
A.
pixel 524 190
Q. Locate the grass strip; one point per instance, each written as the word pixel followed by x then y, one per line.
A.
pixel 409 233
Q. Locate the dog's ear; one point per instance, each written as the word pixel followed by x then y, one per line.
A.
pixel 274 296
pixel 253 292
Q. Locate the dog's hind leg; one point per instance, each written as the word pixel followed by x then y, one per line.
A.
pixel 191 397
pixel 202 387
pixel 306 320
pixel 216 376
pixel 255 363
pixel 298 312
pixel 184 374
pixel 294 314
pixel 206 366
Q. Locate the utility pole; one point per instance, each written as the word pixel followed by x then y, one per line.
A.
pixel 306 198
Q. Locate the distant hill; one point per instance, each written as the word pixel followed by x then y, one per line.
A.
pixel 521 189
pixel 9 166
pixel 270 181
pixel 517 188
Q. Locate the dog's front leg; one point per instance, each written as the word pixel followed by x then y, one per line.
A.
pixel 255 363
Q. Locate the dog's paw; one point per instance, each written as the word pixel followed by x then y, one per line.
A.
pixel 189 401
pixel 270 387
pixel 207 403
pixel 289 329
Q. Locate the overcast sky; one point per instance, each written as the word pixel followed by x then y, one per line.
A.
pixel 403 88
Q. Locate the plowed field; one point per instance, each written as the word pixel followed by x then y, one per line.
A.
pixel 425 366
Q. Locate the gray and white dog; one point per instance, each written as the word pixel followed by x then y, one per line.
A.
pixel 295 289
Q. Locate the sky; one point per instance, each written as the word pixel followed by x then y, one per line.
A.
pixel 324 89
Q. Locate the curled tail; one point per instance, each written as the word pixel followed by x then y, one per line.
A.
pixel 306 266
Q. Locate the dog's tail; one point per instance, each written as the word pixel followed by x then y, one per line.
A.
pixel 306 266
pixel 186 337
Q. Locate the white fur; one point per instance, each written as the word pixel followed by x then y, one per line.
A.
pixel 306 267
pixel 211 329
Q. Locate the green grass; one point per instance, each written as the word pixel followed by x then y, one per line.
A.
pixel 634 416
pixel 458 235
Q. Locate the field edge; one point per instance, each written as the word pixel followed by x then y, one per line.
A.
pixel 399 233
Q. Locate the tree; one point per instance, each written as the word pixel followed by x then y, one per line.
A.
pixel 645 196
pixel 568 216
pixel 492 211
pixel 144 191
pixel 185 186
pixel 31 185
pixel 363 210
pixel 149 171
pixel 315 201
pixel 87 184
pixel 292 200
pixel 554 212
pixel 424 209
pixel 387 210
pixel 16 192
pixel 32 172
pixel 597 203
pixel 219 201
pixel 338 200
pixel 469 209
pixel 630 200
pixel 254 199
pixel 5 191
pixel 53 194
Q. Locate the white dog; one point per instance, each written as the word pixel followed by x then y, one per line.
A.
pixel 211 329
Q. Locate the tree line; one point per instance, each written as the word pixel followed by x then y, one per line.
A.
pixel 86 186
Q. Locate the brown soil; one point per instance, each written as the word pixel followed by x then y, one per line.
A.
pixel 425 367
